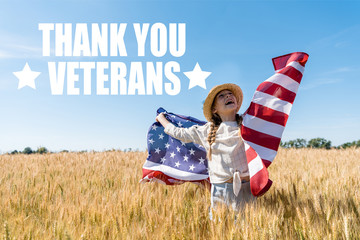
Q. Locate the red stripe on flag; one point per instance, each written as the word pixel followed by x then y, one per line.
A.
pixel 158 175
pixel 167 179
pixel 250 154
pixel 266 162
pixel 292 73
pixel 258 192
pixel 260 138
pixel 282 61
pixel 267 114
pixel 260 182
pixel 277 91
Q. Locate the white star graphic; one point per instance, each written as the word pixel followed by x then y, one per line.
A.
pixel 192 167
pixel 177 164
pixel 154 127
pixel 197 77
pixel 192 152
pixel 179 124
pixel 186 158
pixel 182 143
pixel 26 77
pixel 201 160
pixel 172 154
pixel 151 141
pixel 163 160
pixel 178 149
pixel 161 136
pixel 157 150
pixel 167 145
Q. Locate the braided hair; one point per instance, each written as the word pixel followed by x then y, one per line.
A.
pixel 214 126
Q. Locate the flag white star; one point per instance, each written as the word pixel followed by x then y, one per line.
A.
pixel 157 150
pixel 182 143
pixel 167 145
pixel 178 149
pixel 26 77
pixel 186 158
pixel 163 160
pixel 151 141
pixel 197 77
pixel 201 160
pixel 161 136
pixel 177 164
pixel 192 167
pixel 192 152
pixel 172 154
pixel 179 124
pixel 154 127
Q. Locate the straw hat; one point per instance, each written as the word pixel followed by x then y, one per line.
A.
pixel 235 89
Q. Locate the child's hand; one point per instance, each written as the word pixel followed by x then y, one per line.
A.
pixel 159 117
pixel 162 119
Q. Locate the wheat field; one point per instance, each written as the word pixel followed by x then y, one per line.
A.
pixel 97 195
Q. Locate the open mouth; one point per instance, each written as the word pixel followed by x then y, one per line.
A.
pixel 229 102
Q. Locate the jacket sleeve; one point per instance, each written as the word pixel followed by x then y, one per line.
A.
pixel 196 134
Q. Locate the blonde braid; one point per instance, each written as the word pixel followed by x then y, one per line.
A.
pixel 215 123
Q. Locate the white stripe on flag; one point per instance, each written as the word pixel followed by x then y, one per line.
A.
pixel 263 126
pixel 255 166
pixel 295 65
pixel 247 146
pixel 284 81
pixel 264 153
pixel 272 102
pixel 174 173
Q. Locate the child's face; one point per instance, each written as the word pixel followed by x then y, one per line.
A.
pixel 225 103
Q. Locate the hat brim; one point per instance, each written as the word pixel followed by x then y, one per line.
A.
pixel 235 89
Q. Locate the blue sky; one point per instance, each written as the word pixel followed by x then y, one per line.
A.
pixel 234 40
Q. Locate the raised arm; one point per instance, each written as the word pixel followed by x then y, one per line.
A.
pixel 196 134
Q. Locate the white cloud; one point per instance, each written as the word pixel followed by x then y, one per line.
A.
pixel 320 82
pixel 343 38
pixel 19 51
pixel 18 46
pixel 338 70
pixel 5 54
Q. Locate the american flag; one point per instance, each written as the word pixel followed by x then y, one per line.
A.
pixel 173 162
